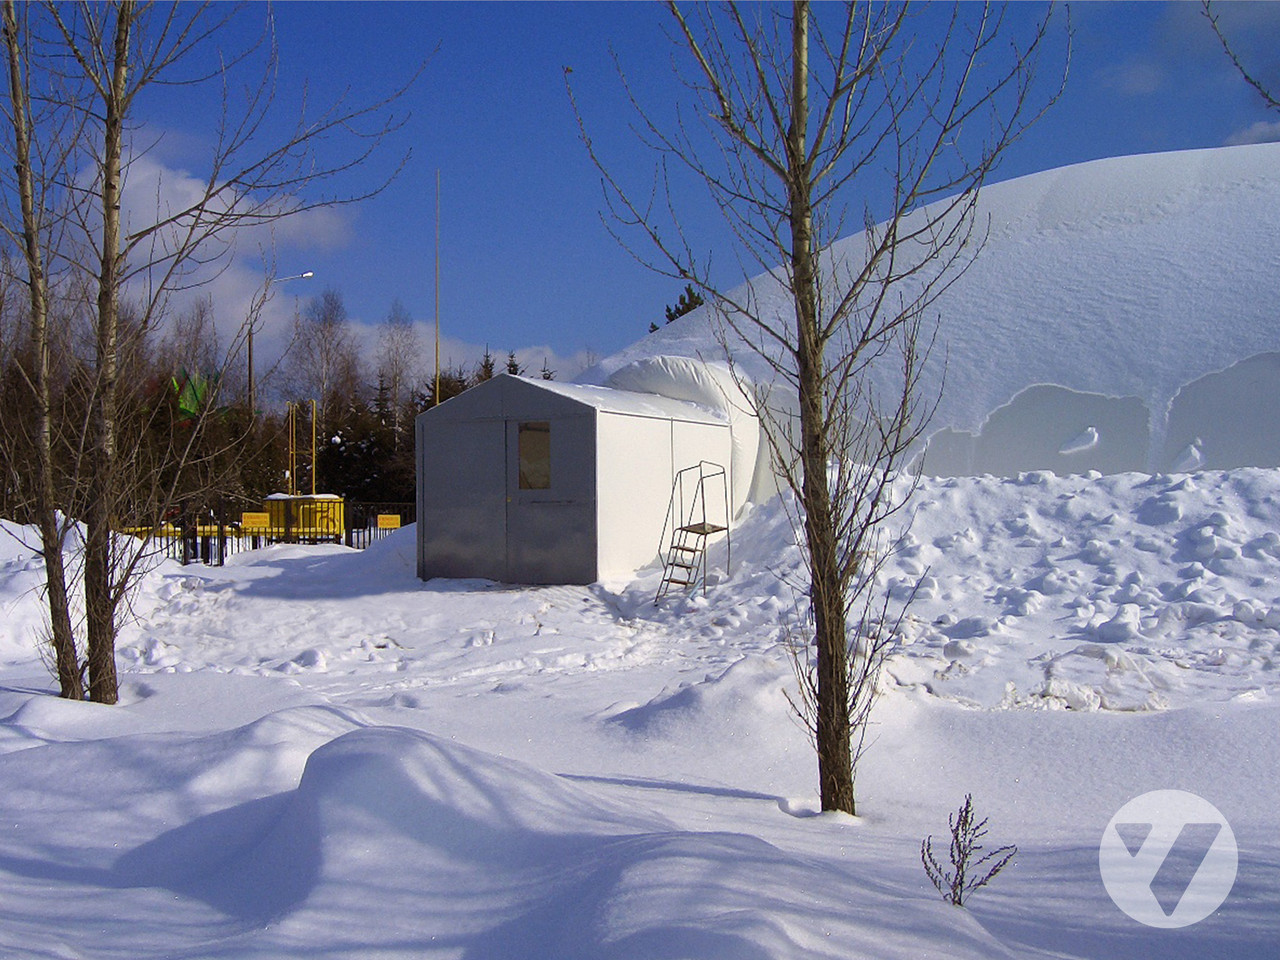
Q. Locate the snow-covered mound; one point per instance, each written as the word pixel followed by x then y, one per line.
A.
pixel 1121 316
pixel 316 753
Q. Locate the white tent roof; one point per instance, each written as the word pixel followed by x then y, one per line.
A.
pixel 628 403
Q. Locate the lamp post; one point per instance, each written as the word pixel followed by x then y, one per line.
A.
pixel 252 397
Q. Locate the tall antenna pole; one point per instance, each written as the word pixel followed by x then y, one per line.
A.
pixel 437 390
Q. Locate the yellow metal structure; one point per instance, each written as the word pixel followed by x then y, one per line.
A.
pixel 307 517
pixel 291 426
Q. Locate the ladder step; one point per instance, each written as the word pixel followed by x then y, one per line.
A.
pixel 677 546
pixel 702 529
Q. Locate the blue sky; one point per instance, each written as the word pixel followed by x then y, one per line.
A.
pixel 525 260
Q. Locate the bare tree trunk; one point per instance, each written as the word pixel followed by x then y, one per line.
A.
pixel 67 662
pixel 835 768
pixel 887 107
pixel 127 464
pixel 101 599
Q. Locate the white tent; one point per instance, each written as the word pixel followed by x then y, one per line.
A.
pixel 533 481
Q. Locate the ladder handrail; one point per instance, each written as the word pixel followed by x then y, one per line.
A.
pixel 681 525
pixel 677 487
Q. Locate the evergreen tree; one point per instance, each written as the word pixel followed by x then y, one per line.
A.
pixel 514 366
pixel 453 380
pixel 691 299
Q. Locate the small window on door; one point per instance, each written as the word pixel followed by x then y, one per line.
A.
pixel 534 449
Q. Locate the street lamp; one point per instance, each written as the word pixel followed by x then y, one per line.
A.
pixel 252 397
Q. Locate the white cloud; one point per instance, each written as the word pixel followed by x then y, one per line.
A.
pixel 1264 131
pixel 455 352
pixel 233 269
pixel 234 282
pixel 1136 78
pixel 321 228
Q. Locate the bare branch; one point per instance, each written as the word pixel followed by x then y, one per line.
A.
pixel 798 133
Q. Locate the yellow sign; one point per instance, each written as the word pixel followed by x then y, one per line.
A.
pixel 388 521
pixel 255 520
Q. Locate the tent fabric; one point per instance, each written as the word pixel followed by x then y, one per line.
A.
pixel 635 402
pixel 712 386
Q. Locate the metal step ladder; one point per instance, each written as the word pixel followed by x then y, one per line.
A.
pixel 690 523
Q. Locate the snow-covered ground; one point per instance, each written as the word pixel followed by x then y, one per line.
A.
pixel 318 754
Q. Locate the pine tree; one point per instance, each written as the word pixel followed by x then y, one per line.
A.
pixel 691 299
pixel 453 380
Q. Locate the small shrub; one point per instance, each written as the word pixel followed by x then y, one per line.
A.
pixel 968 871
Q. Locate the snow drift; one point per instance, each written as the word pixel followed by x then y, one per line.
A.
pixel 1134 297
pixel 317 753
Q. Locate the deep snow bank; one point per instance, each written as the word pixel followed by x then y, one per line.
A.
pixel 1134 297
pixel 467 769
pixel 397 843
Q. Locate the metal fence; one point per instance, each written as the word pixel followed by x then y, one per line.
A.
pixel 217 536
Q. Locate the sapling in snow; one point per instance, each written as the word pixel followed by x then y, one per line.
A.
pixel 968 871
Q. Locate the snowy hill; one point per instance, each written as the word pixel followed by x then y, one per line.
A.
pixel 1122 315
pixel 318 754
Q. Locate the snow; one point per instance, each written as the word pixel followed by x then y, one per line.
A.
pixel 1081 442
pixel 316 753
pixel 1131 294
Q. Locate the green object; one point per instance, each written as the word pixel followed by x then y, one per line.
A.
pixel 193 394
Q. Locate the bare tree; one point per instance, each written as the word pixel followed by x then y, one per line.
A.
pixel 31 230
pixel 803 113
pixel 191 342
pixel 1269 96
pixel 323 362
pixel 95 60
pixel 399 362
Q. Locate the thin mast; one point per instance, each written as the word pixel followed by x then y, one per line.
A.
pixel 436 393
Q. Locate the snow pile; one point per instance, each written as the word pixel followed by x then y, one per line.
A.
pixel 1131 296
pixel 1126 592
pixel 317 752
